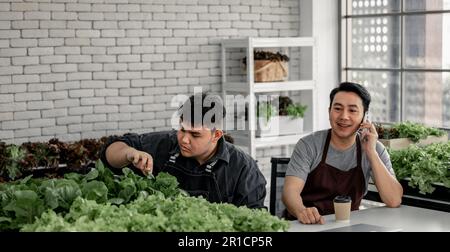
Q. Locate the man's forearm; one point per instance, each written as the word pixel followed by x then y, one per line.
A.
pixel 293 202
pixel 389 188
pixel 116 154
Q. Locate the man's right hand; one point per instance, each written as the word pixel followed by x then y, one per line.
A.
pixel 141 160
pixel 310 215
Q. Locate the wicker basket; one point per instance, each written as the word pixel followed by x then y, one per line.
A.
pixel 266 70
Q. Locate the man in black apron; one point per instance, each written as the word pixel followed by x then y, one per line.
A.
pixel 339 161
pixel 196 154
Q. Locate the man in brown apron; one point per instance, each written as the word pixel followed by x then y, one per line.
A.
pixel 339 161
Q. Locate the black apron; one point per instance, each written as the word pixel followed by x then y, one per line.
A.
pixel 196 183
pixel 326 182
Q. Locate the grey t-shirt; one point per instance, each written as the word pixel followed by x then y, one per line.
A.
pixel 308 154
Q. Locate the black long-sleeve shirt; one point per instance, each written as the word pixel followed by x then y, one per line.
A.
pixel 237 174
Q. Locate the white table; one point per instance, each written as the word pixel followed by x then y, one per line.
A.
pixel 404 218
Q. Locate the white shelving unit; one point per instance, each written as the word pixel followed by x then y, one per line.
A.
pixel 238 81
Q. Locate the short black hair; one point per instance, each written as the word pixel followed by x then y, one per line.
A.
pixel 203 109
pixel 355 88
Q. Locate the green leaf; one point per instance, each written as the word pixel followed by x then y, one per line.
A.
pixel 266 110
pixel 116 201
pixel 74 176
pixel 26 205
pixel 60 192
pixel 95 190
pixel 296 110
pixel 93 174
pixel 5 219
pixel 128 189
pixel 167 184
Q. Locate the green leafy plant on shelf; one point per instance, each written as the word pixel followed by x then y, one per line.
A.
pixel 424 167
pixel 291 109
pixel 286 108
pixel 410 130
pixel 296 110
pixel 266 110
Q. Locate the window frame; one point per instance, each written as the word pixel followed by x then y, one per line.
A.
pixel 344 47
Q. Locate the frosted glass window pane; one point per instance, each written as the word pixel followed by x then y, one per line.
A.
pixel 375 42
pixel 427 5
pixel 427 96
pixel 362 7
pixel 427 40
pixel 385 91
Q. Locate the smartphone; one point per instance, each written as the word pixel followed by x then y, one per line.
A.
pixel 365 119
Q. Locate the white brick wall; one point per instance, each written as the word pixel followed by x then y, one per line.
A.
pixel 69 69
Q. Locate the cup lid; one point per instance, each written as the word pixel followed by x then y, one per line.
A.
pixel 342 199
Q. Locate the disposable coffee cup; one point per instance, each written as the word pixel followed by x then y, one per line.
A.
pixel 342 208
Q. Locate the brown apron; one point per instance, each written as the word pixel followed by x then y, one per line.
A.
pixel 326 182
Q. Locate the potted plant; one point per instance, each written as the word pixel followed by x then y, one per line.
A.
pixel 401 135
pixel 266 125
pixel 269 66
pixel 288 120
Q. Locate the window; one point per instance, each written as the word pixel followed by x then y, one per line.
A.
pixel 400 51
